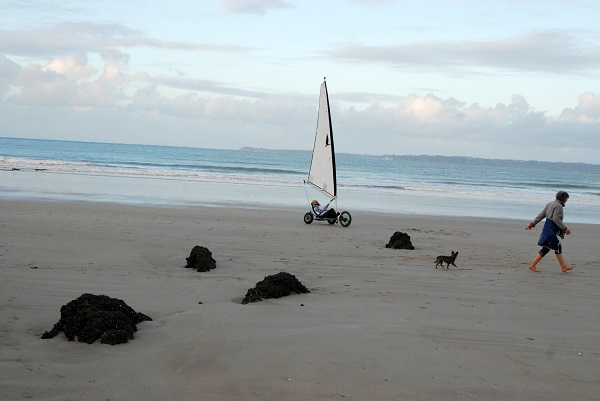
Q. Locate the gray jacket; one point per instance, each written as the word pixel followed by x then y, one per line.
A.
pixel 552 211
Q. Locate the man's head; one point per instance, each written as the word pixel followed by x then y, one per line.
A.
pixel 562 196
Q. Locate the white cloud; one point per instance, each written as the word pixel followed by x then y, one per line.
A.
pixel 252 6
pixel 429 108
pixel 550 52
pixel 115 63
pixel 71 81
pixel 586 111
pixel 432 125
pixel 222 115
pixel 417 125
pixel 371 2
pixel 72 67
pixel 69 37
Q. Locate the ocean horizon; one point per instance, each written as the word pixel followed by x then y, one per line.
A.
pixel 401 184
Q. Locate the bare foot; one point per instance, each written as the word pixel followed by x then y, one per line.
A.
pixel 567 268
pixel 534 269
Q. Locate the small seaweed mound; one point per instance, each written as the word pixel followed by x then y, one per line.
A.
pixel 97 317
pixel 200 259
pixel 400 241
pixel 275 286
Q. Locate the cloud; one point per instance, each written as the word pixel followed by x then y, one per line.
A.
pixel 72 81
pixel 61 39
pixel 99 105
pixel 252 6
pixel 433 125
pixel 71 67
pixel 371 2
pixel 207 86
pixel 66 38
pixel 8 71
pixel 586 111
pixel 115 63
pixel 554 52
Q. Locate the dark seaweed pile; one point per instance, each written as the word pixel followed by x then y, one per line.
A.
pixel 275 286
pixel 400 241
pixel 97 317
pixel 200 259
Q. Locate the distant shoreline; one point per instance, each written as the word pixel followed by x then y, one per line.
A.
pixel 461 159
pixel 588 166
pixel 265 150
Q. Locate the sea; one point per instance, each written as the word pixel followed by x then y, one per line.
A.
pixel 274 179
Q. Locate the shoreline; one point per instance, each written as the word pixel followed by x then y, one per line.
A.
pixel 281 210
pixel 378 323
pixel 191 193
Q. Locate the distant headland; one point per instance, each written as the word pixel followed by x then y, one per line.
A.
pixel 264 150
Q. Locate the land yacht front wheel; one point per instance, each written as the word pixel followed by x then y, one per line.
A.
pixel 308 218
pixel 345 219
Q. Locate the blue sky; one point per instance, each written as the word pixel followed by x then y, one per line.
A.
pixel 494 79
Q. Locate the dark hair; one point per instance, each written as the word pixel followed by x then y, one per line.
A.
pixel 562 196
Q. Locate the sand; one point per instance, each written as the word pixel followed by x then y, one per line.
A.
pixel 378 323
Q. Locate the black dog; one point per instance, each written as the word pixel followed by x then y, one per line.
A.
pixel 449 260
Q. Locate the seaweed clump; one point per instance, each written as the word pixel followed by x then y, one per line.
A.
pixel 200 259
pixel 275 286
pixel 97 317
pixel 400 241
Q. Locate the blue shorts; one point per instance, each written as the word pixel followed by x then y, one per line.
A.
pixel 549 238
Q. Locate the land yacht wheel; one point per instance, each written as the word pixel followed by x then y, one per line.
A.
pixel 308 218
pixel 345 219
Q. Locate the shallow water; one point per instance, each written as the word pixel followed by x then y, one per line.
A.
pixel 140 174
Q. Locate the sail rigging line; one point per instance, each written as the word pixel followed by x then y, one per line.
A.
pixel 309 200
pixel 333 197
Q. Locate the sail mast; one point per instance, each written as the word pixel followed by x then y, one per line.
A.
pixel 331 139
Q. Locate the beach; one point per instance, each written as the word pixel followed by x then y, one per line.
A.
pixel 378 323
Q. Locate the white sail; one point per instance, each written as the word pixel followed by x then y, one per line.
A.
pixel 322 166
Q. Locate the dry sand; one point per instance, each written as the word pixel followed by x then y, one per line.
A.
pixel 378 324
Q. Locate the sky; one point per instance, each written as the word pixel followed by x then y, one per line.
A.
pixel 494 79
